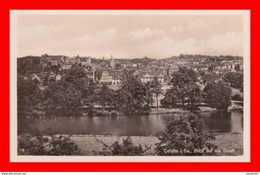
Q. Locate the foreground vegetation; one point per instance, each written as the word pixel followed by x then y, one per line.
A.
pixel 46 145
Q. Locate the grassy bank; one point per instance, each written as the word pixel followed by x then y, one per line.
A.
pixel 231 143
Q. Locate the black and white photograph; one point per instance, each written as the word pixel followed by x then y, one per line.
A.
pixel 130 85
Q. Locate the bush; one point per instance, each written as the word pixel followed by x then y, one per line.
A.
pixel 43 145
pixel 102 113
pixel 114 113
pixel 237 97
pixel 185 136
pixel 127 148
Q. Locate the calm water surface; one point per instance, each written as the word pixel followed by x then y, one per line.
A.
pixel 123 125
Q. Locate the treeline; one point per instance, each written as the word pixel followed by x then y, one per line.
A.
pixel 220 57
pixel 185 92
pixel 29 63
pixel 75 89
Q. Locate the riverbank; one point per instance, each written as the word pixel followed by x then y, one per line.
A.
pixel 231 143
pixel 233 107
pixel 178 110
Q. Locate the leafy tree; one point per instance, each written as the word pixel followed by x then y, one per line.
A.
pixel 131 97
pixel 27 64
pixel 186 135
pixel 237 67
pixel 218 95
pixel 62 98
pixel 127 103
pixel 149 93
pixel 103 95
pixel 211 68
pixel 184 92
pixel 156 88
pixel 28 95
pixel 68 95
pixel 208 77
pixel 98 74
pixel 235 79
pixel 43 145
pixel 133 85
pixel 77 76
pixel 183 77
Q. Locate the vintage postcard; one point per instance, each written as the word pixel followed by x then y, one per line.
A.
pixel 130 85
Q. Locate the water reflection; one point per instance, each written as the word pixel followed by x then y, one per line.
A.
pixel 218 121
pixel 125 125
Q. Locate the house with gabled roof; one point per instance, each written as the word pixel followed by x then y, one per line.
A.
pixel 149 76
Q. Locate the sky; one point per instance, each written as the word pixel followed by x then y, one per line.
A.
pixel 129 36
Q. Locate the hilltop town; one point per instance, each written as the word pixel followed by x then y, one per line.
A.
pixel 52 67
pixel 53 86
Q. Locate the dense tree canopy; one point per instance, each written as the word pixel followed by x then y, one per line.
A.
pixel 206 78
pixel 132 96
pixel 218 95
pixel 28 95
pixel 156 89
pixel 184 91
pixel 235 79
pixel 62 98
pixel 103 96
pixel 66 96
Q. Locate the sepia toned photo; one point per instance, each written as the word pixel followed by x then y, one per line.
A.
pixel 130 85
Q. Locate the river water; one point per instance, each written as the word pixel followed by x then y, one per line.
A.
pixel 124 125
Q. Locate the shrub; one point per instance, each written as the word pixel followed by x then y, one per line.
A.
pixel 127 148
pixel 44 145
pixel 237 97
pixel 186 135
pixel 114 113
pixel 102 113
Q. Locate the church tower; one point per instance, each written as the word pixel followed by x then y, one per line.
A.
pixel 112 62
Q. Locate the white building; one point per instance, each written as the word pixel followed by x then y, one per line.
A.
pixel 147 77
pixel 66 66
pixel 116 81
pixel 58 77
pixel 106 78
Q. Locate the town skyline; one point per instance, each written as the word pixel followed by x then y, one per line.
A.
pixel 114 57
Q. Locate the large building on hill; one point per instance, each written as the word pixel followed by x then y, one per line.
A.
pixel 63 61
pixel 111 78
pixel 106 78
